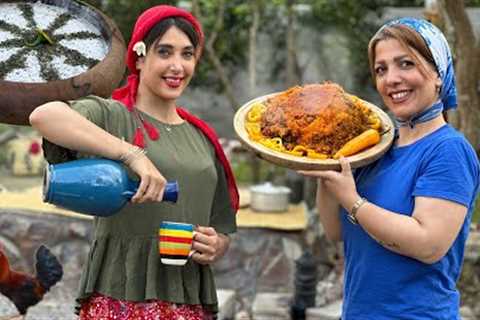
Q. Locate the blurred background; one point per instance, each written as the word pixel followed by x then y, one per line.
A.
pixel 253 48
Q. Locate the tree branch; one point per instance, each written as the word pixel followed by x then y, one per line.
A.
pixel 211 54
pixel 457 16
pixel 252 52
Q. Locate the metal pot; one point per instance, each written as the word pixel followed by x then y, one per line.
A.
pixel 269 198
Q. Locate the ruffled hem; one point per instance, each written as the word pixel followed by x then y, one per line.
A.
pixel 130 269
pixel 106 308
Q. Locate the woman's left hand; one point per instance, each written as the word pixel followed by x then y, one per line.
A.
pixel 209 245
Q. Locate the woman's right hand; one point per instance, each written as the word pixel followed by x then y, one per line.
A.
pixel 152 183
pixel 341 184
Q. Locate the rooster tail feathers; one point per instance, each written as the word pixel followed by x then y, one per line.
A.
pixel 49 270
pixel 4 267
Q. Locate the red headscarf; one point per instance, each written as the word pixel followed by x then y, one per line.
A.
pixel 127 94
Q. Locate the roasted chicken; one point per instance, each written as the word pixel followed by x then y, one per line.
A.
pixel 26 290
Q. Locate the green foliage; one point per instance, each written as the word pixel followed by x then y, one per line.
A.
pixel 125 12
pixel 231 45
pixel 421 3
pixel 274 23
pixel 232 41
pixel 358 21
pixel 244 174
pixel 406 3
pixel 476 212
pixel 472 3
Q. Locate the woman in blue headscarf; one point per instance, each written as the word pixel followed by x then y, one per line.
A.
pixel 404 219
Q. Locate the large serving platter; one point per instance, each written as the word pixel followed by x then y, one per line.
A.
pixel 303 163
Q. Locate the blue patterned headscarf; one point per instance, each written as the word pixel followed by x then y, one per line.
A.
pixel 440 50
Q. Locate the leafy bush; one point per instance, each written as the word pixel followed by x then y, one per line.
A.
pixel 476 212
pixel 244 171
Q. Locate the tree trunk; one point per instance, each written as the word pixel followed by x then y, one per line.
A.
pixel 252 54
pixel 252 75
pixel 467 68
pixel 292 78
pixel 211 54
pixel 433 13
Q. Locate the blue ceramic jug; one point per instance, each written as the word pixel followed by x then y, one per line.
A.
pixel 98 187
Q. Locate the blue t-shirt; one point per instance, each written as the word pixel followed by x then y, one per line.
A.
pixel 381 284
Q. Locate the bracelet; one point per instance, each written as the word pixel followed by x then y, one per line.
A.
pixel 353 213
pixel 131 155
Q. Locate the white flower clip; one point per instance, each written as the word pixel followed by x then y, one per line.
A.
pixel 140 48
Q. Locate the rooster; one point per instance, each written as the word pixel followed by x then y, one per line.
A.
pixel 25 290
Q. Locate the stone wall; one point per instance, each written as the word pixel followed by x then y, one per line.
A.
pixel 260 261
pixel 21 232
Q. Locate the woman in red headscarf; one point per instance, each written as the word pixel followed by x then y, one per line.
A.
pixel 124 277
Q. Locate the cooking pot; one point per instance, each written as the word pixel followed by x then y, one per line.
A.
pixel 269 198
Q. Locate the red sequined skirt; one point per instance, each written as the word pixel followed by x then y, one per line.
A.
pixel 100 307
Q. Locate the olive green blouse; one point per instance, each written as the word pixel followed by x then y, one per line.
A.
pixel 123 261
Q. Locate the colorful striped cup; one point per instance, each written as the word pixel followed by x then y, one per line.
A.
pixel 175 242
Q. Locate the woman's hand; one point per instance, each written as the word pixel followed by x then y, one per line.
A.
pixel 209 245
pixel 152 183
pixel 340 184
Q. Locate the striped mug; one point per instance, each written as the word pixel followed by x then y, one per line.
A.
pixel 175 242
